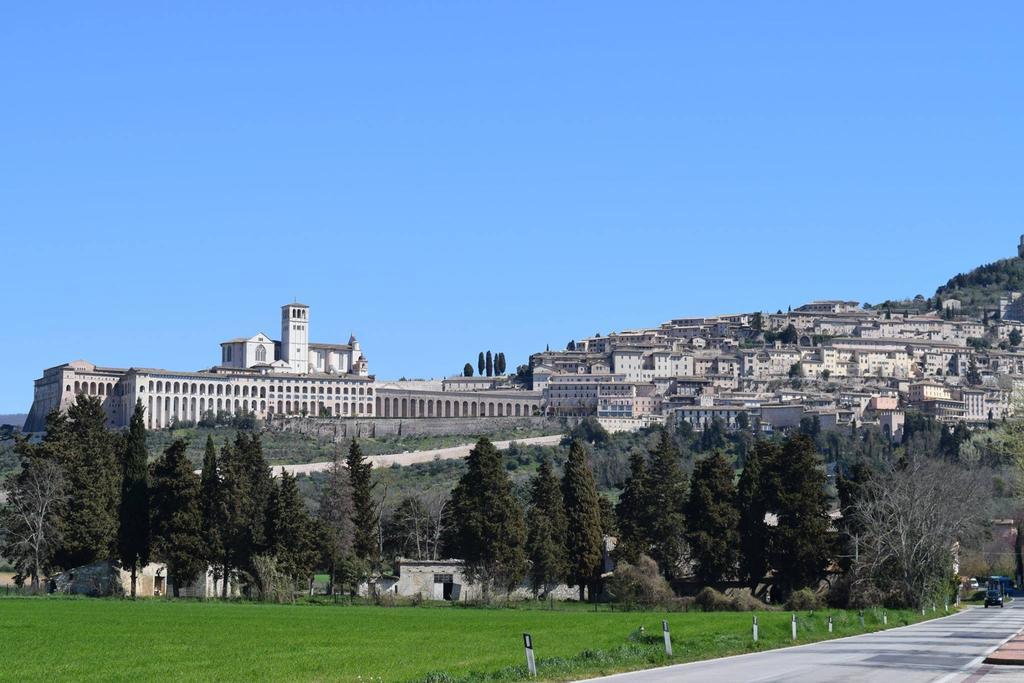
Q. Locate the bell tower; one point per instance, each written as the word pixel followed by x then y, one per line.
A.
pixel 295 337
pixel 1020 248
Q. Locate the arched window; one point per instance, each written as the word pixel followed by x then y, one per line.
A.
pixel 261 354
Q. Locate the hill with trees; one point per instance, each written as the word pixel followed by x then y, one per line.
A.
pixel 980 289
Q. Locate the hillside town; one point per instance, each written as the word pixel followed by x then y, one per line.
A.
pixel 840 363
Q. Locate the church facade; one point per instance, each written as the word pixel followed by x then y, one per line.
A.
pixel 257 374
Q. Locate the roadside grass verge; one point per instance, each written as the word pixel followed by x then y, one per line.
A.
pixel 87 639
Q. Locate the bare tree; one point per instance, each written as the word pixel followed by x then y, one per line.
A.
pixel 914 514
pixel 335 517
pixel 28 530
pixel 417 524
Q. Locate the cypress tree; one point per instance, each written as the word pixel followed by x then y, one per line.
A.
pixel 480 364
pixel 666 526
pixel 88 454
pixel 489 364
pixel 488 531
pixel 247 485
pixel 364 517
pixel 335 515
pixel 177 517
pixel 546 530
pixel 133 542
pixel 754 495
pixel 713 520
pixel 214 516
pixel 290 530
pixel 633 512
pixel 583 512
pixel 801 545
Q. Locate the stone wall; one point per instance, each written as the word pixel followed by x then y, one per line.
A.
pixel 335 429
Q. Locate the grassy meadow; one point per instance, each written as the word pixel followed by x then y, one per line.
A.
pixel 89 639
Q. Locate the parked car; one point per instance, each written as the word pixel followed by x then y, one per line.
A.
pixel 973 584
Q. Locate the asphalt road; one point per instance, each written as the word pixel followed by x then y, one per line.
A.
pixel 946 650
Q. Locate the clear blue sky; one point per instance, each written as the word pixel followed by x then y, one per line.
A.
pixel 445 177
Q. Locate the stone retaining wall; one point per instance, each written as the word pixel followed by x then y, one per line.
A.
pixel 337 430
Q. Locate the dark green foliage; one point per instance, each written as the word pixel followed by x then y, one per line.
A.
pixel 177 517
pixel 609 522
pixel 590 431
pixel 1015 337
pixel 133 515
pixel 633 512
pixel 290 530
pixel 480 364
pixel 246 482
pixel 982 287
pixel 754 498
pixel 583 540
pixel 546 530
pixel 364 515
pixel 80 443
pixel 666 506
pixel 499 364
pixel 488 530
pixel 212 509
pixel 489 364
pixel 801 544
pixel 713 520
pixel 467 370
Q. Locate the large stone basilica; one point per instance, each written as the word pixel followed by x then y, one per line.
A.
pixel 257 374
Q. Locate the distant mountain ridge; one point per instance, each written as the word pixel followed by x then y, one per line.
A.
pixel 16 419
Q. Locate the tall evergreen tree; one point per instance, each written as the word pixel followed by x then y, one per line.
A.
pixel 335 514
pixel 487 530
pixel 290 530
pixel 754 496
pixel 177 517
pixel 480 364
pixel 499 364
pixel 467 370
pixel 80 443
pixel 667 507
pixel 133 541
pixel 801 544
pixel 583 512
pixel 633 512
pixel 489 364
pixel 713 520
pixel 546 530
pixel 247 485
pixel 214 515
pixel 364 516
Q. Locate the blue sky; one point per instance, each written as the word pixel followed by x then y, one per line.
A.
pixel 445 177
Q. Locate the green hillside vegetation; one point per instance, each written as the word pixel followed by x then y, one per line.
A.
pixel 290 448
pixel 198 641
pixel 980 289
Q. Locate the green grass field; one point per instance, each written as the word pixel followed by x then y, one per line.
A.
pixel 85 639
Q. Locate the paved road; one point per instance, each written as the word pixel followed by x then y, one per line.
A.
pixel 419 456
pixel 947 650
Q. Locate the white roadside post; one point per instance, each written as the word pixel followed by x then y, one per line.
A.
pixel 793 626
pixel 531 663
pixel 755 628
pixel 862 618
pixel 885 618
pixel 668 638
pixel 829 624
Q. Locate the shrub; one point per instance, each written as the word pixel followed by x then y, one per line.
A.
pixel 803 600
pixel 639 584
pixel 272 584
pixel 710 600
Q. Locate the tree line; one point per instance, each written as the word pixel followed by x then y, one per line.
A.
pixel 493 364
pixel 86 494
